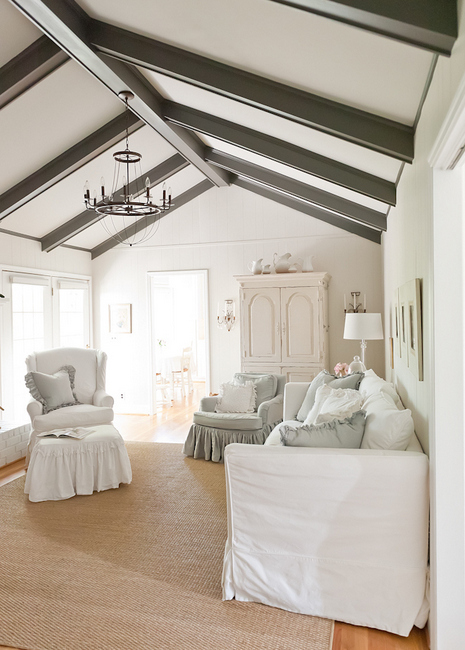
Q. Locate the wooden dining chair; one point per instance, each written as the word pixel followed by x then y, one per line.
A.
pixel 184 374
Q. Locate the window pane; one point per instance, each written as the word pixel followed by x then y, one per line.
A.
pixel 28 336
pixel 73 315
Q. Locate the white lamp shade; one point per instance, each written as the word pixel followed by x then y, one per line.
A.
pixel 363 327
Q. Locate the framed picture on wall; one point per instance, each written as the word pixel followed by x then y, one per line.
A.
pixel 414 329
pixel 396 325
pixel 403 324
pixel 120 319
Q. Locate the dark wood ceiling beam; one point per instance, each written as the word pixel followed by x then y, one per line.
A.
pixel 428 24
pixel 28 68
pixel 180 200
pixel 311 210
pixel 87 218
pixel 363 128
pixel 68 25
pixel 299 190
pixel 67 163
pixel 283 152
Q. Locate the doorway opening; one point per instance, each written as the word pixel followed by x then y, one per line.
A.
pixel 179 334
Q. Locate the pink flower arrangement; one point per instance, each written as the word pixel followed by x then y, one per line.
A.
pixel 341 369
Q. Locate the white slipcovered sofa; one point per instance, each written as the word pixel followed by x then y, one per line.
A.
pixel 336 533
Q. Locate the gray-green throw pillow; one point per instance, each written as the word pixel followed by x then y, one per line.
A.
pixel 344 434
pixel 324 377
pixel 53 391
pixel 265 385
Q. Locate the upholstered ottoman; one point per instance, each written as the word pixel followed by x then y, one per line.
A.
pixel 60 468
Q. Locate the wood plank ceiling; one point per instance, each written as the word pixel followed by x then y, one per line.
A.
pixel 310 103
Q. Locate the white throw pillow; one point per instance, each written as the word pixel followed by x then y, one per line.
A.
pixel 371 384
pixel 332 403
pixel 236 398
pixel 386 427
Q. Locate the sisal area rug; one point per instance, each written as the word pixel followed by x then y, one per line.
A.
pixel 137 568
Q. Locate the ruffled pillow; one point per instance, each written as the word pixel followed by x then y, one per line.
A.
pixel 331 403
pixel 53 391
pixel 343 434
pixel 236 398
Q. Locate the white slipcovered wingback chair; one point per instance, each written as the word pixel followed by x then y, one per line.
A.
pixel 96 406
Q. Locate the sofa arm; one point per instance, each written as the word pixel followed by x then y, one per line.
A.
pixel 321 523
pixel 101 398
pixel 294 395
pixel 34 408
pixel 271 411
pixel 208 404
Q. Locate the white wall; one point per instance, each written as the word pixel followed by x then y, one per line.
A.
pixel 222 231
pixel 19 251
pixel 424 240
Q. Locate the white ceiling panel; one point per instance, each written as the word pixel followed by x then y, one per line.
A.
pixel 310 52
pixel 278 127
pixel 64 200
pixel 297 175
pixel 64 108
pixel 178 183
pixel 16 32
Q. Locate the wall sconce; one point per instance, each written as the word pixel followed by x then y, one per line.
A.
pixel 229 315
pixel 355 307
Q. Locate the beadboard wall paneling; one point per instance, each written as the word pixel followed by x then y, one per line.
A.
pixel 19 251
pixel 222 231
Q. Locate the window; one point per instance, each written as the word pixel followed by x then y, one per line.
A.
pixel 42 312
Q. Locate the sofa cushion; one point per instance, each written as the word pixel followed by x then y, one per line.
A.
pixel 81 415
pixel 238 421
pixel 265 385
pixel 344 433
pixel 371 384
pixel 324 377
pixel 386 427
pixel 53 391
pixel 332 403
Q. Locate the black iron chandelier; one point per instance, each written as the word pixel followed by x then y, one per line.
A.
pixel 128 212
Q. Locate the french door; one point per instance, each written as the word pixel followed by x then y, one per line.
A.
pixel 42 312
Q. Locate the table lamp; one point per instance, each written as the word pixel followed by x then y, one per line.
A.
pixel 363 327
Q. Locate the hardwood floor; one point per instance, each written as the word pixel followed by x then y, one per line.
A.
pixel 171 424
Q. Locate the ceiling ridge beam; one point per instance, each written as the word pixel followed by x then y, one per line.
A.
pixel 283 152
pixel 313 211
pixel 28 68
pixel 365 129
pixel 300 190
pixel 87 218
pixel 67 162
pixel 68 25
pixel 428 24
pixel 181 200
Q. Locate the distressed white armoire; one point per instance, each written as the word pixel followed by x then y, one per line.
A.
pixel 284 324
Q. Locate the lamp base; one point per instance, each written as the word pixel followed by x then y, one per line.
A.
pixel 356 366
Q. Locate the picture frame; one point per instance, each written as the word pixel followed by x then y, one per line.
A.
pixel 414 329
pixel 120 318
pixel 403 324
pixel 396 326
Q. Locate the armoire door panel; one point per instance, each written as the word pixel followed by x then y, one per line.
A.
pixel 300 326
pixel 261 326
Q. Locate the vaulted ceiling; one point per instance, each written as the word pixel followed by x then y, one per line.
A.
pixel 311 103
